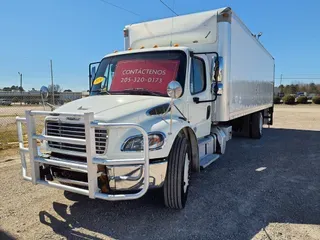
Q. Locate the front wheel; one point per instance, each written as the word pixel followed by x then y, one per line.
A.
pixel 177 181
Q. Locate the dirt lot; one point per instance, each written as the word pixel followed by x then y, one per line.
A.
pixel 260 189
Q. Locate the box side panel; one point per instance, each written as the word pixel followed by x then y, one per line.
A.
pixel 251 77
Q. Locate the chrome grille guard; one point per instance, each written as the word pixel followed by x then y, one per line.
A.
pixel 92 159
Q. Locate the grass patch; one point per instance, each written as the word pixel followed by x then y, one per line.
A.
pixel 9 115
pixel 9 135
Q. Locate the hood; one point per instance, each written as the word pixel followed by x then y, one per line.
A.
pixel 114 107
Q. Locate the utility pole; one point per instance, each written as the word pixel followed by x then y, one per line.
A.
pixel 280 82
pixel 52 87
pixel 20 74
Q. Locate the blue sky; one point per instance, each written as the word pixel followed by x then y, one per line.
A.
pixel 74 33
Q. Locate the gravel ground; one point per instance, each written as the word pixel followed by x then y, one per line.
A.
pixel 260 189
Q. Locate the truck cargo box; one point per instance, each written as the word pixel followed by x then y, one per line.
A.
pixel 247 74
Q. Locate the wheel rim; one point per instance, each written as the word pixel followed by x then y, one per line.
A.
pixel 186 175
pixel 260 124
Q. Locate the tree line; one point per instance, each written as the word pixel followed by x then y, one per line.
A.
pixel 294 88
pixel 56 89
pixel 13 88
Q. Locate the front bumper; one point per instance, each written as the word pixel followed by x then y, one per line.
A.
pixel 120 178
pixel 126 178
pixel 121 174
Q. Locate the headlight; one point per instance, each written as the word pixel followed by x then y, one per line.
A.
pixel 135 143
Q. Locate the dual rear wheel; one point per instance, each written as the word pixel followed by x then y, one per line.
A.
pixel 256 125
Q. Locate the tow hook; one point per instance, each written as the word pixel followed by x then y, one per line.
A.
pixel 103 180
pixel 45 173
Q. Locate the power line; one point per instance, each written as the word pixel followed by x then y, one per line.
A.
pixel 169 8
pixel 300 78
pixel 116 6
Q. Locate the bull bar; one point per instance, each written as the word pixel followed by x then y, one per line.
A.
pixel 90 167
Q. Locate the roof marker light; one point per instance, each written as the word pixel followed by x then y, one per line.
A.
pixel 225 15
pixel 142 47
pixel 176 45
pixel 129 48
pixel 155 46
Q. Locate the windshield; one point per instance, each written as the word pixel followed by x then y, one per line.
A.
pixel 145 73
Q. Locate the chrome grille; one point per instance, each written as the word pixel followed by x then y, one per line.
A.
pixel 71 130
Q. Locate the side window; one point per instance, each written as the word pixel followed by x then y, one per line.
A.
pixel 198 76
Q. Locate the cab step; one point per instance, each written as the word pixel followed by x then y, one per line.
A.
pixel 208 159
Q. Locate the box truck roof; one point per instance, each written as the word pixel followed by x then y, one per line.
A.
pixel 198 28
pixel 197 31
pixel 192 28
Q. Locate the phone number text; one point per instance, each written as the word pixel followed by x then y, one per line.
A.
pixel 141 79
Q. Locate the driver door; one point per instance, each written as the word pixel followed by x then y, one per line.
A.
pixel 200 87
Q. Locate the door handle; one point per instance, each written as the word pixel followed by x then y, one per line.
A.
pixel 208 112
pixel 196 100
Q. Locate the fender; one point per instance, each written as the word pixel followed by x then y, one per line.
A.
pixel 179 126
pixel 155 124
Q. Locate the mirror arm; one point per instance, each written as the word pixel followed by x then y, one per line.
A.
pixel 51 106
pixel 183 116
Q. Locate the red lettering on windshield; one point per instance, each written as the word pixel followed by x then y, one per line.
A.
pixel 152 75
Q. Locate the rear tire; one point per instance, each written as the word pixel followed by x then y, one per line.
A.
pixel 176 185
pixel 256 125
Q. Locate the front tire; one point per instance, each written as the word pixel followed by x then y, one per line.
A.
pixel 176 185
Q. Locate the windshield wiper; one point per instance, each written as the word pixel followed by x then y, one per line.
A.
pixel 140 91
pixel 99 91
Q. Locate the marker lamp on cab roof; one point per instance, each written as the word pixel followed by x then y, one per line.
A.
pixel 135 143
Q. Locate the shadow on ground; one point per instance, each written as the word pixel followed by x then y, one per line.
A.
pixel 257 182
pixel 5 236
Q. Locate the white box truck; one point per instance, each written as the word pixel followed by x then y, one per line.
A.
pixel 159 110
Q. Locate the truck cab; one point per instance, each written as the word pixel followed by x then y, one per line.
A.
pixel 148 72
pixel 159 110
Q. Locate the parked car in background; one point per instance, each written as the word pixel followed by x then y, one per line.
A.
pixel 311 95
pixel 5 102
pixel 298 94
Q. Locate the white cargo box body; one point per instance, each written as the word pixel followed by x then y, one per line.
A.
pixel 246 68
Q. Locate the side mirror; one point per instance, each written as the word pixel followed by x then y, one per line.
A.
pixel 92 72
pixel 216 68
pixel 44 92
pixel 174 89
